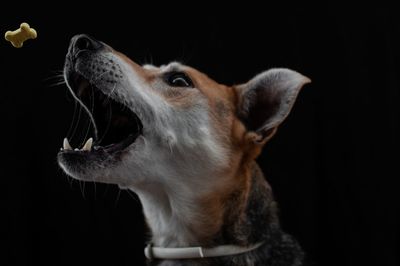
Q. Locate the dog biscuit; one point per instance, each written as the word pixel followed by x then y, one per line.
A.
pixel 17 37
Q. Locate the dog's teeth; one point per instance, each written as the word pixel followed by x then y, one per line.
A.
pixel 66 144
pixel 88 145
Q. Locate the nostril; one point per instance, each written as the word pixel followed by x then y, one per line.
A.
pixel 83 43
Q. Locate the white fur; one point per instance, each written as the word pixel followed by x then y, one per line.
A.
pixel 175 162
pixel 171 165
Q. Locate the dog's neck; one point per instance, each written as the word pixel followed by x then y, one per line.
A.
pixel 173 218
pixel 178 219
pixel 249 216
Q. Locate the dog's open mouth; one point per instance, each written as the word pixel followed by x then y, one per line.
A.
pixel 117 127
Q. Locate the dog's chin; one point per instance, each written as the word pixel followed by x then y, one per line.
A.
pixel 99 164
pixel 87 165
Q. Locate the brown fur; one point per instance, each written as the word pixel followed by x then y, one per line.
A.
pixel 244 146
pixel 206 189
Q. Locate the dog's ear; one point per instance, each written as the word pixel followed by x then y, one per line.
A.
pixel 266 100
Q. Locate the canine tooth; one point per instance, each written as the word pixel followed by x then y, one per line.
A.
pixel 88 145
pixel 66 144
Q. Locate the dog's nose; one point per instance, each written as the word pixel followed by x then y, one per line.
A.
pixel 83 42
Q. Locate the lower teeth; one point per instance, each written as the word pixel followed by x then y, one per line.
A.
pixel 86 147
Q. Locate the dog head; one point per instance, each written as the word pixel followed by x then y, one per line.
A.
pixel 170 125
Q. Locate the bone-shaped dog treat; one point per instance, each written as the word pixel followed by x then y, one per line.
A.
pixel 20 35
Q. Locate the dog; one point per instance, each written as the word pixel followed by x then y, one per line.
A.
pixel 186 145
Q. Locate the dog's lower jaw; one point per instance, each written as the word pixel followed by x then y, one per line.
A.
pixel 250 217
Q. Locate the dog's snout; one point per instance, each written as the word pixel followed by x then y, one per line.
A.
pixel 83 42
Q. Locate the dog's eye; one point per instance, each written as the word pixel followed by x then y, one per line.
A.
pixel 179 79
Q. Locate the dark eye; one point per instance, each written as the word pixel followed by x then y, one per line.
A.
pixel 179 79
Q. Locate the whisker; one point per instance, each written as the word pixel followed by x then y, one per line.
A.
pixel 118 196
pixel 105 190
pixel 73 120
pixel 82 105
pixel 108 124
pixel 58 76
pixel 79 107
pixel 62 82
pixel 94 188
pixel 86 110
pixel 110 93
pixel 132 196
pixel 70 181
pixel 91 110
pixel 61 71
pixel 82 188
pixel 109 115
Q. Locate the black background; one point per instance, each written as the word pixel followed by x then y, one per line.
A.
pixel 333 164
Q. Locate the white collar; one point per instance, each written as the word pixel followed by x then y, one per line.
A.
pixel 196 252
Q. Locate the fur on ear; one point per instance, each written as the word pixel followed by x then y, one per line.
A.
pixel 266 100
